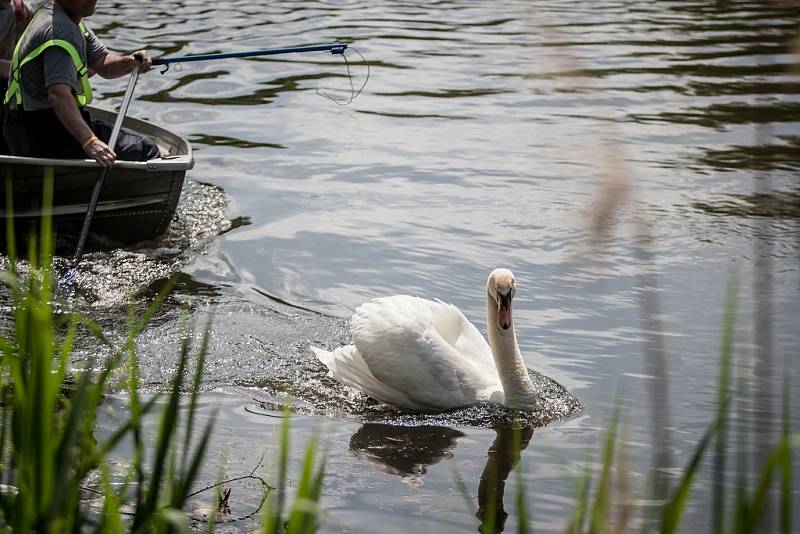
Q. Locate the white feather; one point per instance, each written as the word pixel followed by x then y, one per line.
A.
pixel 417 354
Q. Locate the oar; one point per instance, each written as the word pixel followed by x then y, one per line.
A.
pixel 333 48
pixel 67 282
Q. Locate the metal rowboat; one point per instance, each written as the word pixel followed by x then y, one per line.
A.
pixel 137 202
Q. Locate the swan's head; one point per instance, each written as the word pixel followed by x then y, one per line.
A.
pixel 501 288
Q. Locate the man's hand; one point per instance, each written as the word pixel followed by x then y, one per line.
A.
pixel 63 103
pixel 143 59
pixel 114 65
pixel 100 152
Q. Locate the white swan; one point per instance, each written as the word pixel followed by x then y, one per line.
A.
pixel 424 355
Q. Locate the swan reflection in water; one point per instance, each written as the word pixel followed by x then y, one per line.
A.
pixel 408 451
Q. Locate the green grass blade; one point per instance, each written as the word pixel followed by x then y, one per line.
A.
pixel 674 509
pixel 723 396
pixel 581 513
pixel 66 460
pixel 195 390
pixel 283 464
pixel 740 502
pixel 462 489
pixel 599 512
pixel 110 516
pixel 273 515
pixel 128 427
pixel 786 465
pixel 319 479
pixel 521 499
pixel 305 509
pixel 488 515
pixel 775 461
pixel 189 475
pixel 217 500
pixel 166 431
pixel 172 520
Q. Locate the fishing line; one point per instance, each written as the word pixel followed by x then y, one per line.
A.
pixel 353 93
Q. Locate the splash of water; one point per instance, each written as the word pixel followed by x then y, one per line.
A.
pixel 110 278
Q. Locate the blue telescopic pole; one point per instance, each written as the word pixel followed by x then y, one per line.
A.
pixel 335 48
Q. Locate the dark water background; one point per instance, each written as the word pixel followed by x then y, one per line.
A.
pixel 489 134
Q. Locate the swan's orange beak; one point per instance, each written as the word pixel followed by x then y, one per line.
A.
pixel 504 312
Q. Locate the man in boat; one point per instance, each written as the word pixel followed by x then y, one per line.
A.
pixel 49 89
pixel 14 18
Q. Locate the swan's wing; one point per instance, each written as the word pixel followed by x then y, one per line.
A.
pixel 347 366
pixel 427 350
pixel 464 336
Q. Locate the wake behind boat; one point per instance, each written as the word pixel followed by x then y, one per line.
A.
pixel 137 202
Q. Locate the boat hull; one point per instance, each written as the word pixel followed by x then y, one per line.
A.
pixel 137 203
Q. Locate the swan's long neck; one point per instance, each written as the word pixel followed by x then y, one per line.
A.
pixel 517 386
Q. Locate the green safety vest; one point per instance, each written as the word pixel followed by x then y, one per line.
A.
pixel 15 91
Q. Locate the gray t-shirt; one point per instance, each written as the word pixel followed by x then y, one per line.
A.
pixel 54 65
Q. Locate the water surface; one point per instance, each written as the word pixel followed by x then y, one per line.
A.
pixel 625 159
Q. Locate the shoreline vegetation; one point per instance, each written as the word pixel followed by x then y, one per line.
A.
pixel 49 451
pixel 50 458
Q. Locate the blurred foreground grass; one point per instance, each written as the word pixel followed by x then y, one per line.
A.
pixel 49 455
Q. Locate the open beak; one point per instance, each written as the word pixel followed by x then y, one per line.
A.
pixel 504 311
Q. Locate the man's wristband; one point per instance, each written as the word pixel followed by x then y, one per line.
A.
pixel 89 141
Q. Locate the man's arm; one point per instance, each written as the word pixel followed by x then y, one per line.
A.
pixel 114 65
pixel 61 99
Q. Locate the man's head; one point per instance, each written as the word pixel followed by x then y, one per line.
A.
pixel 78 9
